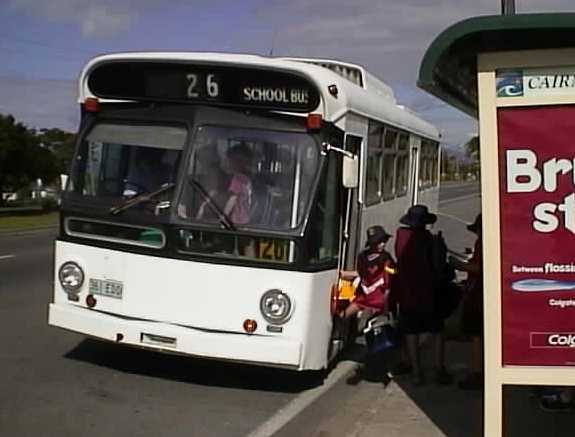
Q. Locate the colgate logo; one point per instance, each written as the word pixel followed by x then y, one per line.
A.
pixel 561 340
pixel 553 339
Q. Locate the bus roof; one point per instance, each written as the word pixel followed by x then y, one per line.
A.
pixel 359 92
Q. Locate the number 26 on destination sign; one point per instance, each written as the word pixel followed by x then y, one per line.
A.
pixel 194 88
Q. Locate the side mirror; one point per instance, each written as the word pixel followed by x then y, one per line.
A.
pixel 350 172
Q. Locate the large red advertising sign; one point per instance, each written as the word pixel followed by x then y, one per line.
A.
pixel 537 190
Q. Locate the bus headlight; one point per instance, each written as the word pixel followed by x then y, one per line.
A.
pixel 71 277
pixel 276 306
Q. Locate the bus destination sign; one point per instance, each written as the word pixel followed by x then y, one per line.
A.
pixel 202 83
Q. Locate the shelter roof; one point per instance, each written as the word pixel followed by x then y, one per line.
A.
pixel 449 67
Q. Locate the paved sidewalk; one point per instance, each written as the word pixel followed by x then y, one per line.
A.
pixel 373 412
pixel 403 410
pixel 369 409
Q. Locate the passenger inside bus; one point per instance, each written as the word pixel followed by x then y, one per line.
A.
pixel 213 180
pixel 257 178
pixel 240 190
pixel 230 191
pixel 248 179
pixel 150 169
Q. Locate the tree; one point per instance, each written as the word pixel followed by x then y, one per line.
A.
pixel 472 148
pixel 22 158
pixel 43 165
pixel 16 140
pixel 450 164
pixel 62 144
pixel 472 153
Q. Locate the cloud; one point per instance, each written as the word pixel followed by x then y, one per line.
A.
pixel 453 125
pixel 388 37
pixel 95 18
pixel 98 20
pixel 40 103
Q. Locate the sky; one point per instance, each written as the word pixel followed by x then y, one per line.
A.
pixel 45 43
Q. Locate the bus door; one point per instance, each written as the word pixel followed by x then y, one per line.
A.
pixel 414 170
pixel 352 214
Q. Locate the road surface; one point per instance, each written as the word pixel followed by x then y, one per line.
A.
pixel 57 383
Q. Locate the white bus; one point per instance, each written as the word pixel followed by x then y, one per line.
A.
pixel 209 204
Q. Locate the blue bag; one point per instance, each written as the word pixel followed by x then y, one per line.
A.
pixel 381 333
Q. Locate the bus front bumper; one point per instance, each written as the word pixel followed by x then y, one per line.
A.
pixel 255 349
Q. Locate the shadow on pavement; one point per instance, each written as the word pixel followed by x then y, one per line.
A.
pixel 193 370
pixel 456 412
pixel 459 413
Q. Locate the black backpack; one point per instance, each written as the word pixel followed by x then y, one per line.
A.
pixel 442 270
pixel 447 293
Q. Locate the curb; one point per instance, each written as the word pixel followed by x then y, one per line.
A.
pixel 297 405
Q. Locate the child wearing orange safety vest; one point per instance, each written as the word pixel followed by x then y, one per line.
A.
pixel 372 279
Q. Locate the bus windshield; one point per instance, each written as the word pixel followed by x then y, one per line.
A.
pixel 250 178
pixel 125 161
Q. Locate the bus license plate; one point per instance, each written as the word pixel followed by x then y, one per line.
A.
pixel 106 288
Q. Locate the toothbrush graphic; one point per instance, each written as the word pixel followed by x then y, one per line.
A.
pixel 539 285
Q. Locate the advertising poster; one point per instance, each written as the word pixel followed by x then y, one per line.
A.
pixel 537 207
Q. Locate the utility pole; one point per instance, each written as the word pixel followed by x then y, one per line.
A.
pixel 508 7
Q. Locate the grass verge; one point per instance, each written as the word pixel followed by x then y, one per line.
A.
pixel 28 222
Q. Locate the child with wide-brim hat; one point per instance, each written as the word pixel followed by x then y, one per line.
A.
pixel 413 293
pixel 418 216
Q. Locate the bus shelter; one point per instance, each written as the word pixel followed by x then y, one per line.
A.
pixel 516 75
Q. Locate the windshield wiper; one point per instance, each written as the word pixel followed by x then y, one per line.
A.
pixel 223 218
pixel 144 197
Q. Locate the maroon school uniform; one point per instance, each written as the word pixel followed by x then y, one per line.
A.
pixel 374 273
pixel 413 288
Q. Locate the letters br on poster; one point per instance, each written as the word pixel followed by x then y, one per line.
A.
pixel 537 207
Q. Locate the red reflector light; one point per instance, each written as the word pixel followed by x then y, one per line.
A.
pixel 91 104
pixel 314 122
pixel 91 301
pixel 250 325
